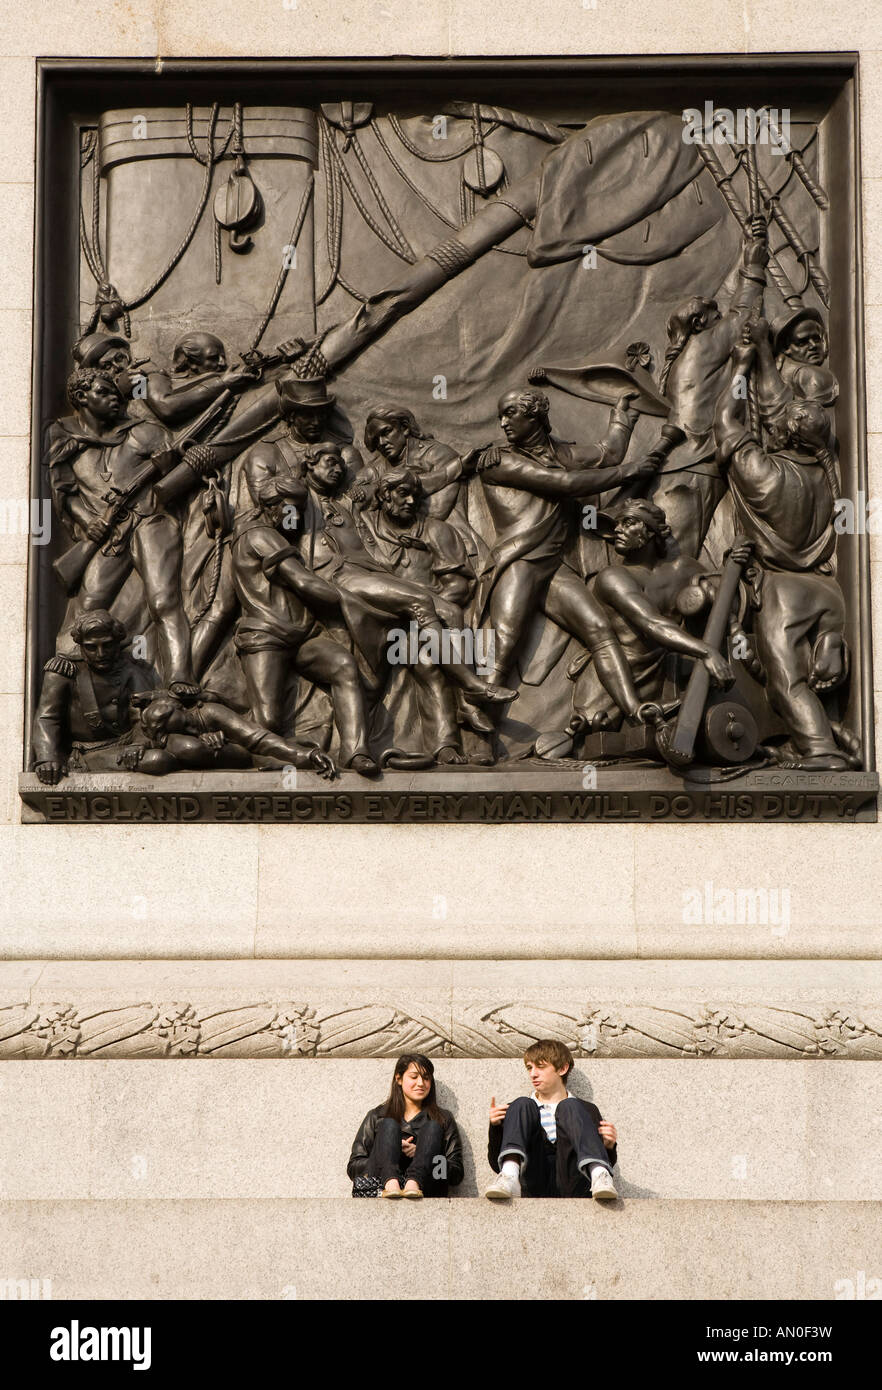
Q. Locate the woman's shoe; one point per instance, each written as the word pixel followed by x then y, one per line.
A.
pixel 412 1190
pixel 392 1189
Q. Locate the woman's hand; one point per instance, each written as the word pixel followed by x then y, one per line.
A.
pixel 408 1145
pixel 497 1112
pixel 607 1133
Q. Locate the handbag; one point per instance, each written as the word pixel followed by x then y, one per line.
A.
pixel 366 1186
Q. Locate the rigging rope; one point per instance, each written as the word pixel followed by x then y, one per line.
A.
pixel 421 154
pixel 402 249
pixel 333 215
pixel 283 273
pixel 396 230
pixel 423 197
pixel 94 257
pixel 381 141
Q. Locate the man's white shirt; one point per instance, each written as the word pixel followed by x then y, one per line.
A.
pixel 546 1115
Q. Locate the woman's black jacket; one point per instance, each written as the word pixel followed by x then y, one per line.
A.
pixel 364 1142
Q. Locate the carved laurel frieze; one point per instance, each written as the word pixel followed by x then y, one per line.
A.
pixel 718 1029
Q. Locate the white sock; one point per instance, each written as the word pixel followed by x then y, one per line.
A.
pixel 511 1168
pixel 595 1170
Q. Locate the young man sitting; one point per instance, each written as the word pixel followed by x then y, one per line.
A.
pixel 550 1143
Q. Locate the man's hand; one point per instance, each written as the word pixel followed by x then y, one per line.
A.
pixel 237 378
pixel 755 331
pixel 322 764
pixel 50 772
pixel 756 247
pixel 408 1145
pixel 741 553
pixel 607 1133
pixel 815 438
pixel 757 225
pixel 743 354
pixel 638 469
pixel 99 529
pixel 129 758
pixel 497 1112
pixel 718 669
pixel 469 461
pixel 292 348
pixel 623 412
pixel 488 458
pixel 213 740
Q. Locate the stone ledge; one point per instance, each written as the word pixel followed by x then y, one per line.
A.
pixel 338 1249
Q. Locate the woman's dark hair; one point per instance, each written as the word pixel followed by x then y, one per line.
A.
pixel 395 1103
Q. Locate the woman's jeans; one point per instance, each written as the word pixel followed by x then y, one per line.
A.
pixel 386 1159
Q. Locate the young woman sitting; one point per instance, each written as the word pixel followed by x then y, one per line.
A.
pixel 408 1146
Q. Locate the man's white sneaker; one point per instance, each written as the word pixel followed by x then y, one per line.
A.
pixel 603 1187
pixel 503 1188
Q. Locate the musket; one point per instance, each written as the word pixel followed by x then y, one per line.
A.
pixel 682 744
pixel 71 566
pixel 182 479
